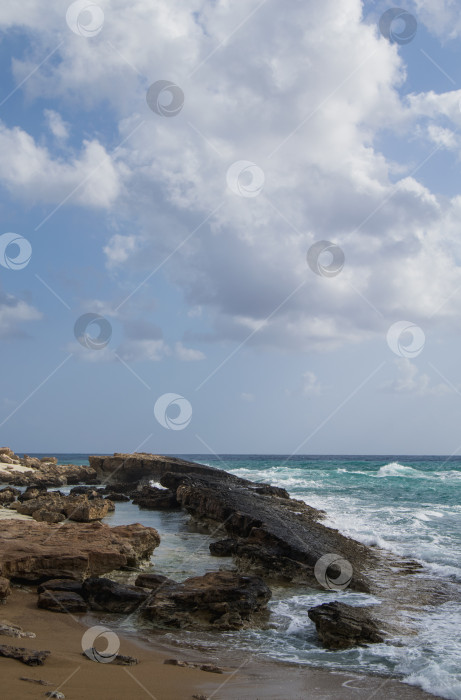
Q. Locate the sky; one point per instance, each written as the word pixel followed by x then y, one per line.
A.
pixel 230 227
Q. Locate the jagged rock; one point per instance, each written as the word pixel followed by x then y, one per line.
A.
pixel 153 581
pixel 62 602
pixel 7 496
pixel 27 656
pixel 107 595
pixel 32 492
pixel 8 629
pixel 30 471
pixel 61 584
pixel 218 600
pixel 224 548
pixel 49 460
pixel 32 462
pixel 55 507
pixel 5 589
pixel 341 626
pixel 89 491
pixel 272 536
pixel 155 499
pixel 35 551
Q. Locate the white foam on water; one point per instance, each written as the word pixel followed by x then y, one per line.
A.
pixel 396 469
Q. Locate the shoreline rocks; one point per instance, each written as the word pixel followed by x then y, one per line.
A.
pixel 341 626
pixel 220 600
pixel 36 551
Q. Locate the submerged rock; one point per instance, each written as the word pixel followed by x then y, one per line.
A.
pixel 219 600
pixel 341 626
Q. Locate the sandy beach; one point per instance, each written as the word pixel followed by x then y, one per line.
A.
pixel 77 677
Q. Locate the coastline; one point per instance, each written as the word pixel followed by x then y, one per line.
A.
pixel 71 673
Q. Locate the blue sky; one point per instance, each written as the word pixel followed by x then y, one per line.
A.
pixel 339 133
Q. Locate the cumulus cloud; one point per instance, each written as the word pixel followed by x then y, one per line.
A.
pixel 308 107
pixel 29 171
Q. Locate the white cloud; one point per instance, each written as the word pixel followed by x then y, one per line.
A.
pixel 188 354
pixel 58 127
pixel 29 171
pixel 307 106
pixel 248 397
pixel 13 313
pixel 411 381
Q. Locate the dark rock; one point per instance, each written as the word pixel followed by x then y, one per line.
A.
pixel 32 492
pixel 119 660
pixel 107 595
pixel 217 600
pixel 275 537
pixel 27 656
pixel 118 497
pixel 62 602
pixel 153 581
pixel 61 584
pixel 341 626
pixel 224 548
pixel 143 466
pixel 155 499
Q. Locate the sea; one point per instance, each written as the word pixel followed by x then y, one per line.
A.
pixel 408 505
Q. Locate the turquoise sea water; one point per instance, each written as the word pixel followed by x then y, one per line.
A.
pixel 409 505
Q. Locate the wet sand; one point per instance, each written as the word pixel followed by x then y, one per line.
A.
pixel 79 678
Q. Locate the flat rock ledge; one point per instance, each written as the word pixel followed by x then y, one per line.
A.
pixel 36 551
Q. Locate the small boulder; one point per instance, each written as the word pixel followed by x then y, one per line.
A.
pixel 341 626
pixel 154 498
pixel 107 595
pixel 62 602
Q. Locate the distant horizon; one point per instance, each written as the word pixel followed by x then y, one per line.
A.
pixel 245 454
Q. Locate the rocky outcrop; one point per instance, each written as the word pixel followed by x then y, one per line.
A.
pixel 139 466
pixel 54 507
pixel 36 551
pixel 268 533
pixel 341 626
pixel 153 498
pixel 109 596
pixel 27 471
pixel 220 600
